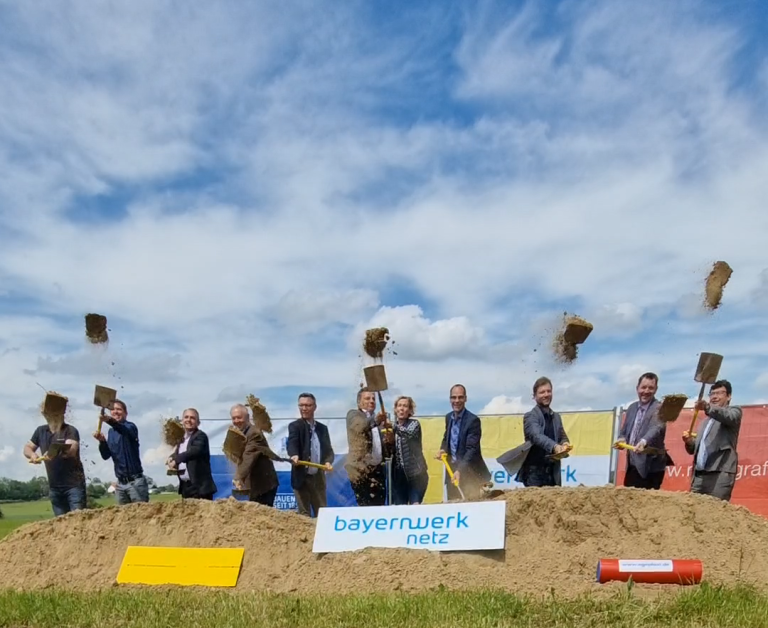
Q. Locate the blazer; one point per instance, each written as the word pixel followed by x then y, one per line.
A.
pixel 360 435
pixel 197 457
pixel 409 453
pixel 722 439
pixel 299 434
pixel 653 431
pixel 469 456
pixel 256 470
pixel 533 431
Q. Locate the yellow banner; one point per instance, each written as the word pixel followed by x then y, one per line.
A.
pixel 590 433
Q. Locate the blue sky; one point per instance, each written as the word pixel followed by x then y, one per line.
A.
pixel 244 189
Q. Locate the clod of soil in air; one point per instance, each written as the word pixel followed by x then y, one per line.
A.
pixel 554 538
pixel 376 341
pixel 260 415
pixel 173 431
pixel 96 328
pixel 719 275
pixel 575 331
pixel 671 407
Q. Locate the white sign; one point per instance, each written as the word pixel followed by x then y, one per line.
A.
pixel 437 527
pixel 645 565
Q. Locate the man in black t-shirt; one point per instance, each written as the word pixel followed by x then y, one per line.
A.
pixel 66 476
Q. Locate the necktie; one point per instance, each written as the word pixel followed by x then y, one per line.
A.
pixel 701 459
pixel 636 427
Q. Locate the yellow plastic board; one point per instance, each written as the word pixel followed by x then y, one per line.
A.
pixel 186 566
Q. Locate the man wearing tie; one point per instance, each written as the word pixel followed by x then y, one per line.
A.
pixel 716 460
pixel 365 460
pixel 461 442
pixel 308 440
pixel 642 428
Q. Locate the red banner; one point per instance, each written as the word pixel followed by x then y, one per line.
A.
pixel 751 489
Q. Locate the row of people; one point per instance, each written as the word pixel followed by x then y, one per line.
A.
pixel 375 441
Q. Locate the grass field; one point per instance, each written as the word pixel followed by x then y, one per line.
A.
pixel 18 514
pixel 703 607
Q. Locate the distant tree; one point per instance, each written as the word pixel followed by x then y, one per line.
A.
pixel 151 483
pixel 96 490
pixel 91 502
pixel 1 513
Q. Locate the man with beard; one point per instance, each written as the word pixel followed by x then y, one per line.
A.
pixel 544 436
pixel 642 428
pixel 365 460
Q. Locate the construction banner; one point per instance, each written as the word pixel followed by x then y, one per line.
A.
pixel 751 488
pixel 589 464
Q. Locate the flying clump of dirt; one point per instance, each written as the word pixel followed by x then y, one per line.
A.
pixel 573 332
pixel 96 328
pixel 375 342
pixel 719 275
pixel 260 415
pixel 173 431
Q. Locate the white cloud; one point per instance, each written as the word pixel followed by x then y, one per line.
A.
pixel 418 338
pixel 762 380
pixel 501 404
pixel 310 311
pixel 6 452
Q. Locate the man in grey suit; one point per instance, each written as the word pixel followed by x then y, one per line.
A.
pixel 716 460
pixel 543 429
pixel 365 459
pixel 642 428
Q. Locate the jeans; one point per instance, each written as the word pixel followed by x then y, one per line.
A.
pixel 134 491
pixel 405 491
pixel 311 497
pixel 539 476
pixel 64 500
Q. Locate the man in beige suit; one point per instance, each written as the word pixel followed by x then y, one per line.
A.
pixel 715 459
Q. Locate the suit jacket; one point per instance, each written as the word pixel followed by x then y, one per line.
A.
pixel 469 455
pixel 360 435
pixel 197 457
pixel 256 470
pixel 653 431
pixel 299 434
pixel 533 430
pixel 722 439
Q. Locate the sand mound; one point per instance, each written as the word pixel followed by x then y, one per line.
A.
pixel 555 537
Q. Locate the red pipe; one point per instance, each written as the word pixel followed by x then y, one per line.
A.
pixel 649 571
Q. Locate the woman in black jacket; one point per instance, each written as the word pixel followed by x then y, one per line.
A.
pixel 410 469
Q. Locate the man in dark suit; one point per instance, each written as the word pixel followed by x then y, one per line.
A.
pixel 308 440
pixel 192 459
pixel 256 471
pixel 365 459
pixel 642 428
pixel 714 450
pixel 461 442
pixel 543 429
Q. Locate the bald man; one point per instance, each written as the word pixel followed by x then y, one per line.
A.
pixel 192 459
pixel 256 471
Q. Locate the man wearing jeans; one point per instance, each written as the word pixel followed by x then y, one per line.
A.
pixel 66 476
pixel 122 445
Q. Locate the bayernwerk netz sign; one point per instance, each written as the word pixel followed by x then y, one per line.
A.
pixel 439 527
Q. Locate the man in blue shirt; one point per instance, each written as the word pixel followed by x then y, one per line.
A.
pixel 122 445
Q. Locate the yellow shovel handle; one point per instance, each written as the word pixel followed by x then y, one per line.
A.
pixel 314 464
pixel 626 446
pixel 444 458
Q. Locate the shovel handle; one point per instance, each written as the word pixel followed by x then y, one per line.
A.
pixel 696 412
pixel 651 451
pixel 454 481
pixel 315 465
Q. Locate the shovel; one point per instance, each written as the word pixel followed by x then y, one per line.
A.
pixel 304 463
pixel 706 373
pixel 562 454
pixel 103 398
pixel 650 451
pixel 454 481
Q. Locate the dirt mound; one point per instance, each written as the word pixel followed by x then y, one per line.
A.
pixel 555 537
pixel 574 331
pixel 719 275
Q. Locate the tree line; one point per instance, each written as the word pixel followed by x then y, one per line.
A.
pixel 37 488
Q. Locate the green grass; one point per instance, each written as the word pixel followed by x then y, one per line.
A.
pixel 703 607
pixel 17 514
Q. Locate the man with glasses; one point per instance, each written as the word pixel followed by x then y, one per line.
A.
pixel 715 458
pixel 309 441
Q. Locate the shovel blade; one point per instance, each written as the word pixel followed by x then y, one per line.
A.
pixel 103 396
pixel 708 368
pixel 375 378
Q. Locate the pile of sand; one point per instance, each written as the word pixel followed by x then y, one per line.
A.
pixel 555 537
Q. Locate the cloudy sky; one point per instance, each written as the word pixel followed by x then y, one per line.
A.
pixel 244 188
